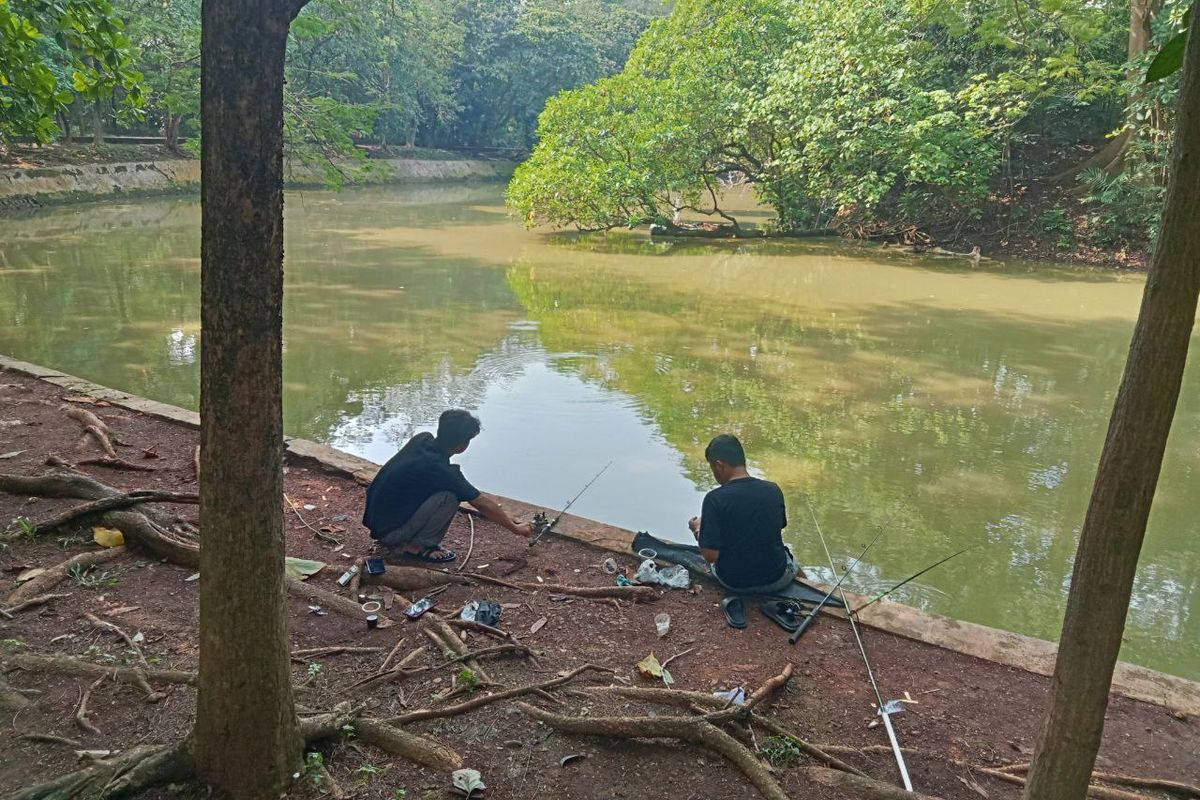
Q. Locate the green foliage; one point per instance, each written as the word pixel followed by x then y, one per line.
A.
pixel 54 51
pixel 367 773
pixel 85 578
pixel 1170 57
pixel 314 763
pixel 780 750
pixel 23 527
pixel 468 678
pixel 12 644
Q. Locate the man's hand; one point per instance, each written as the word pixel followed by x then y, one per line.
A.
pixel 524 529
pixel 694 526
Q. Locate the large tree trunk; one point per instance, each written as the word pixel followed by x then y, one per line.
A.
pixel 246 739
pixel 97 122
pixel 1112 534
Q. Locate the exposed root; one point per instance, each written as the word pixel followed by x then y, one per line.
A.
pixel 639 593
pixel 92 426
pixel 117 463
pixel 695 730
pixel 32 602
pixel 404 579
pixel 49 738
pixel 470 546
pixel 121 775
pixel 483 700
pixel 103 625
pixel 65 483
pixel 61 665
pixel 336 650
pixel 418 749
pixel 1099 792
pixel 1133 781
pixel 55 575
pixel 12 699
pixel 127 500
pixel 686 699
pixel 81 718
pixel 331 602
pixel 388 658
pixel 859 786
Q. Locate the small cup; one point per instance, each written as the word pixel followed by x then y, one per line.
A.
pixel 662 622
pixel 372 621
pixel 647 552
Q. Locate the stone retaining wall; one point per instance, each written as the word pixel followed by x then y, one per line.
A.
pixel 990 644
pixel 33 188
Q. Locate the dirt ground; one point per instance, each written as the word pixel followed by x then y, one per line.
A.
pixel 968 713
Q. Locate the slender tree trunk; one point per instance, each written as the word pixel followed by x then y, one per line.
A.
pixel 97 122
pixel 171 132
pixel 1111 157
pixel 246 738
pixel 1115 524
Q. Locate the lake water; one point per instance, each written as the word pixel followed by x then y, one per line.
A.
pixel 950 405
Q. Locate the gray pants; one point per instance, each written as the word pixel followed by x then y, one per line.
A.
pixel 774 587
pixel 427 526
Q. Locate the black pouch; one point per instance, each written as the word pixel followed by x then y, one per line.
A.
pixel 488 613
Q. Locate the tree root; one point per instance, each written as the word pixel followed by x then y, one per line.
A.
pixel 418 749
pixel 404 579
pixel 695 730
pixel 61 665
pixel 859 786
pixel 483 700
pixel 336 650
pixel 81 718
pixel 1099 792
pixel 55 575
pixel 48 738
pixel 109 626
pixel 117 463
pixel 121 775
pixel 1133 781
pixel 332 602
pixel 92 426
pixel 41 599
pixel 638 593
pixel 66 483
pixel 12 699
pixel 686 699
pixel 120 501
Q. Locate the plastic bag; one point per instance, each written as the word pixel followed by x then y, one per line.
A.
pixel 675 577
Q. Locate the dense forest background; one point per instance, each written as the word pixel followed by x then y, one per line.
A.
pixel 917 121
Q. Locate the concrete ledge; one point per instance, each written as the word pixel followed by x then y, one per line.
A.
pixel 991 644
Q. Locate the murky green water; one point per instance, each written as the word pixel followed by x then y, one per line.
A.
pixel 951 405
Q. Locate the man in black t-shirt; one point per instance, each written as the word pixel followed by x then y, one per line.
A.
pixel 413 497
pixel 740 527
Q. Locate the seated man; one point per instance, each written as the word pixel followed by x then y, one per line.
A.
pixel 412 500
pixel 740 525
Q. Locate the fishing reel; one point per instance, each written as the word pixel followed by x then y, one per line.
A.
pixel 541 524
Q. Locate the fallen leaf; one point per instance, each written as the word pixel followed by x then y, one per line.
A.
pixel 30 574
pixel 13 454
pixel 108 537
pixel 309 507
pixel 301 568
pixel 139 637
pixel 974 787
pixel 649 667
pixel 195 576
pixel 467 781
pixel 537 626
pixel 562 762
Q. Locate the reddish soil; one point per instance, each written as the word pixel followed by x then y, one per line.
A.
pixel 969 711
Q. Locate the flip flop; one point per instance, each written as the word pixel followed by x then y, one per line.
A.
pixel 735 611
pixel 424 555
pixel 784 613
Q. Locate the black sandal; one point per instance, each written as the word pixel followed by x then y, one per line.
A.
pixel 735 611
pixel 784 613
pixel 424 555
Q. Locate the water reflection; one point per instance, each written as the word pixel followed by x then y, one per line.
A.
pixel 949 404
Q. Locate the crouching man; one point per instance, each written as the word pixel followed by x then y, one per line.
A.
pixel 412 500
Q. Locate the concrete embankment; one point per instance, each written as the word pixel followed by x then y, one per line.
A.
pixel 29 188
pixel 997 646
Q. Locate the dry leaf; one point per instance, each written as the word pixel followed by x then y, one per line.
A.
pixel 13 454
pixel 537 626
pixel 649 667
pixel 108 537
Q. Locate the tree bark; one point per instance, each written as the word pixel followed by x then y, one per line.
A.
pixel 97 122
pixel 246 739
pixel 1115 525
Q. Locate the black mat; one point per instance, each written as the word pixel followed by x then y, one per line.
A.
pixel 688 555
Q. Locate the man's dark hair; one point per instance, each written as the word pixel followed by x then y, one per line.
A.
pixel 456 428
pixel 727 448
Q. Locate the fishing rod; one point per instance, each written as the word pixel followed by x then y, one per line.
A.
pixel 812 615
pixel 539 520
pixel 885 710
pixel 885 593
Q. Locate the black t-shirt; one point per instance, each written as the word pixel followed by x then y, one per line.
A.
pixel 744 520
pixel 420 470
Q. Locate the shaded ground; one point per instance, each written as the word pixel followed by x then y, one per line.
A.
pixel 969 711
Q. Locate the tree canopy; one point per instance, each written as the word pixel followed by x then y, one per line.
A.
pixel 906 110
